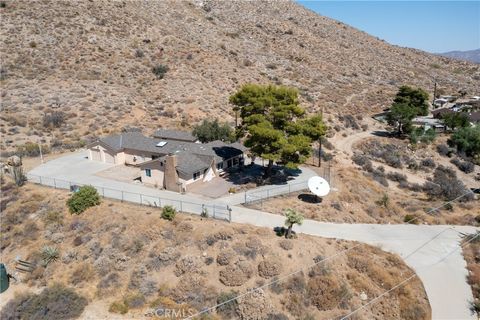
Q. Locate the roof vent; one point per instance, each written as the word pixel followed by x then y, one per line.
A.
pixel 162 143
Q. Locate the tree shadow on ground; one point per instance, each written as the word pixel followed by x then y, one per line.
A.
pixel 309 198
pixel 255 173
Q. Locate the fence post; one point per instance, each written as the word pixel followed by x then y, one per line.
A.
pixel 54 183
pixel 181 206
pixel 103 192
pixel 122 195
pixel 141 199
pixel 245 197
pixel 213 206
pixel 40 179
pixel 159 202
pixel 289 188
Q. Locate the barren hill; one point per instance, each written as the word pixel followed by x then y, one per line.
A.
pixel 93 61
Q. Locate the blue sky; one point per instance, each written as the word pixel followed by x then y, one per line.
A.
pixel 433 26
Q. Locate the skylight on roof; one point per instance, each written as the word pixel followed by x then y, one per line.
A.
pixel 162 143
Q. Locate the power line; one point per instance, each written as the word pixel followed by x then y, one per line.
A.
pixel 444 204
pixel 321 261
pixel 405 280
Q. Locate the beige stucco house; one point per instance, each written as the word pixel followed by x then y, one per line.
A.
pixel 171 163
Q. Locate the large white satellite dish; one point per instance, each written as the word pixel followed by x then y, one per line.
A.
pixel 318 186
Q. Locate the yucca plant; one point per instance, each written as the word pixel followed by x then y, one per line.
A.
pixel 50 254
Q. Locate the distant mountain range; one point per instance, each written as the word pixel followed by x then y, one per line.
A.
pixel 470 55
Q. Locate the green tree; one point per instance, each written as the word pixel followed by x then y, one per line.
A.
pixel 401 115
pixel 422 135
pixel 456 120
pixel 213 130
pixel 415 98
pixel 84 198
pixel 292 218
pixel 467 140
pixel 275 125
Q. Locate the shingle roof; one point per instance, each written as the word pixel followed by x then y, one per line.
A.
pixel 191 157
pixel 175 135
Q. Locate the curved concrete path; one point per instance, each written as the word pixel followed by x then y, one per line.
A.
pixel 443 274
pixel 444 280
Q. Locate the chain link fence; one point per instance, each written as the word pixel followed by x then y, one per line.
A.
pixel 216 211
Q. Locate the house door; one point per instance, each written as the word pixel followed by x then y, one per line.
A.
pixel 96 155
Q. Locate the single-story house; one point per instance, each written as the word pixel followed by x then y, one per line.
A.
pixel 440 102
pixel 176 135
pixel 169 164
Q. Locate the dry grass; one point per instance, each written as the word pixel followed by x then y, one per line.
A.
pixel 111 275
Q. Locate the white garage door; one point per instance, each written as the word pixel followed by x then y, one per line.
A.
pixel 96 155
pixel 109 158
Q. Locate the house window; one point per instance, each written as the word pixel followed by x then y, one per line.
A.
pixel 196 175
pixel 148 172
pixel 220 165
pixel 235 161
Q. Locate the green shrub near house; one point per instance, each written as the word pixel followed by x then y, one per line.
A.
pixel 86 197
pixel 168 213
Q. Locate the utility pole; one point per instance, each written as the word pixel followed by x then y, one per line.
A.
pixel 320 144
pixel 41 155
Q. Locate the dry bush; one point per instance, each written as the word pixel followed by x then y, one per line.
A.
pixel 327 292
pixel 56 302
pixel 269 268
pixel 225 257
pixel 286 244
pixel 166 257
pixel 108 283
pixel 255 305
pixel 188 264
pixel 83 272
pixel 237 274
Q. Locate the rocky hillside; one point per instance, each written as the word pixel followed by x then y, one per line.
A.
pixel 93 61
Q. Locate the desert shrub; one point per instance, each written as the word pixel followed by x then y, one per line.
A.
pixel 384 201
pixel 396 176
pixel 53 217
pixel 350 122
pixel 118 307
pixel 83 272
pixel 411 218
pixel 360 159
pixel 139 53
pixel 134 300
pixel 393 160
pixel 467 141
pixel 413 312
pixel 84 198
pixel 56 302
pixel 31 149
pixel 277 316
pixel 445 185
pixel 325 292
pixel 228 309
pixel 49 254
pixel 268 268
pixel 428 162
pixel 465 166
pixel 286 244
pixel 168 213
pixel 444 150
pixel 53 119
pixel 111 280
pixel 379 176
pixel 160 70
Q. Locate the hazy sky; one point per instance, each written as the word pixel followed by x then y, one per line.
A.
pixel 434 26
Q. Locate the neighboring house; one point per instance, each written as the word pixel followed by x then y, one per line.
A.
pixel 429 123
pixel 439 113
pixel 175 135
pixel 440 102
pixel 170 164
